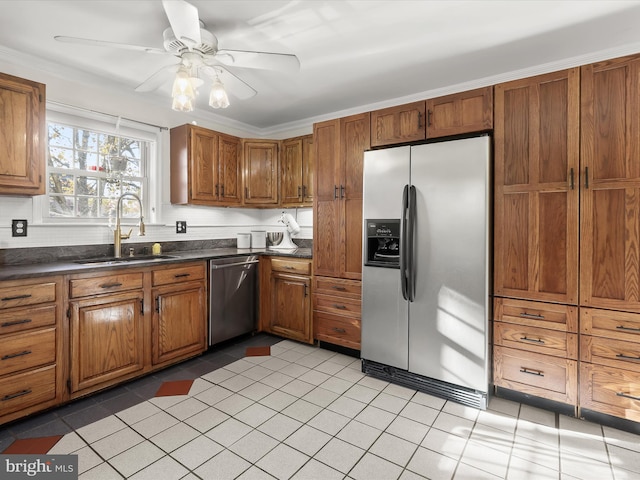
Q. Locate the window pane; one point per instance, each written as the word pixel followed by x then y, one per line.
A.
pixel 60 183
pixel 108 208
pixel 86 186
pixel 60 135
pixel 130 207
pixel 86 140
pixel 60 206
pixel 109 187
pixel 87 207
pixel 60 157
pixel 86 160
pixel 133 168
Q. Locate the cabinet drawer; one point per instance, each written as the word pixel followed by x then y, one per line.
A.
pixel 183 273
pixel 539 340
pixel 21 294
pixel 536 314
pixel 610 324
pixel 300 267
pixel 20 319
pixel 532 373
pixel 337 287
pixel 23 390
pixel 27 350
pixel 609 390
pixel 336 329
pixel 337 305
pixel 82 287
pixel 614 353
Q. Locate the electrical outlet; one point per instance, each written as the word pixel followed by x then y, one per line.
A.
pixel 18 228
pixel 181 226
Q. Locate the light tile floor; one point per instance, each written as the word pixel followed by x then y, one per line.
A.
pixel 308 413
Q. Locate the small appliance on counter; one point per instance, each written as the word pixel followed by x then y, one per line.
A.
pixel 291 227
pixel 274 238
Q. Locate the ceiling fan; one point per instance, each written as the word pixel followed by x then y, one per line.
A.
pixel 200 57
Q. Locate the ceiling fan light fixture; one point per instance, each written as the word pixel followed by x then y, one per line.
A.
pixel 218 97
pixel 182 103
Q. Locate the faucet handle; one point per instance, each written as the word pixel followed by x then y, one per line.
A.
pixel 124 236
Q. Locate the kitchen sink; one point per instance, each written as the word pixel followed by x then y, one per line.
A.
pixel 114 260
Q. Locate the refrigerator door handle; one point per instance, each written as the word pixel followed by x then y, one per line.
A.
pixel 411 262
pixel 403 242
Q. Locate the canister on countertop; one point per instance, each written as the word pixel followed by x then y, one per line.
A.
pixel 244 240
pixel 156 249
pixel 258 239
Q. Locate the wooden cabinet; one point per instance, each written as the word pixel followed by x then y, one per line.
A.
pixel 610 185
pixel 536 195
pixel 261 168
pixel 337 307
pixel 23 139
pixel 399 124
pixel 31 342
pixel 178 326
pixel 464 112
pixel 297 167
pixel 106 329
pixel 205 167
pixel 285 297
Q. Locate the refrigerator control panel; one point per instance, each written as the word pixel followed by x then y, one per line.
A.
pixel 382 246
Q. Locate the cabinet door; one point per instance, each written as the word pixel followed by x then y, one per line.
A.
pixel 229 185
pixel 291 306
pixel 291 172
pixel 355 139
pixel 179 322
pixel 610 184
pixel 536 188
pixel 22 142
pixel 203 165
pixel 464 112
pixel 308 170
pixel 401 124
pixel 107 339
pixel 326 212
pixel 260 172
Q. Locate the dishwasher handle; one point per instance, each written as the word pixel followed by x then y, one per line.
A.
pixel 228 265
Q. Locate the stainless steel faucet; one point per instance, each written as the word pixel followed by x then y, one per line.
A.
pixel 118 236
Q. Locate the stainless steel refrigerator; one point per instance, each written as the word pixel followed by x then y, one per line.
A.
pixel 425 279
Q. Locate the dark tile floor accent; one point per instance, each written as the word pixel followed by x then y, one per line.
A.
pixel 32 446
pixel 84 411
pixel 179 387
pixel 258 351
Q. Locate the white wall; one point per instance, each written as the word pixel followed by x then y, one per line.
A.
pixel 81 90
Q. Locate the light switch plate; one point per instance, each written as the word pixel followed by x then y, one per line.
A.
pixel 18 228
pixel 181 226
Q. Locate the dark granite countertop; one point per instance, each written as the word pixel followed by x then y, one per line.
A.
pixel 14 272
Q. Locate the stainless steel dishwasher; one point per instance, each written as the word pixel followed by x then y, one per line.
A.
pixel 233 297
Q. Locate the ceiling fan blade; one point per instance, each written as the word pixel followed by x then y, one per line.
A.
pixel 283 62
pixel 184 21
pixel 102 43
pixel 158 78
pixel 232 84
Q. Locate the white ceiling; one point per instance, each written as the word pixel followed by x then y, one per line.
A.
pixel 352 53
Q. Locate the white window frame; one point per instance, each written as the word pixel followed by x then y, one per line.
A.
pixel 109 125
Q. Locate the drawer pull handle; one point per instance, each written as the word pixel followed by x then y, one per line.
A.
pixel 288 267
pixel 626 395
pixel 111 285
pixel 627 357
pixel 17 297
pixel 537 316
pixel 16 322
pixel 16 395
pixel 14 355
pixel 531 372
pixel 339 288
pixel 527 339
pixel 630 329
pixel 180 275
pixel 339 307
pixel 339 330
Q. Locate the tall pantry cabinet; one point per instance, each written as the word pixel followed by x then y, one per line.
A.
pixel 545 282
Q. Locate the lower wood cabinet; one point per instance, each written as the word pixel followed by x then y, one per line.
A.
pixel 337 308
pixel 285 297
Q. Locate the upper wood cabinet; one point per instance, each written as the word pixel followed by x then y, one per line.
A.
pixel 404 123
pixel 337 213
pixel 22 137
pixel 297 167
pixel 610 184
pixel 260 158
pixel 536 153
pixel 205 167
pixel 463 112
